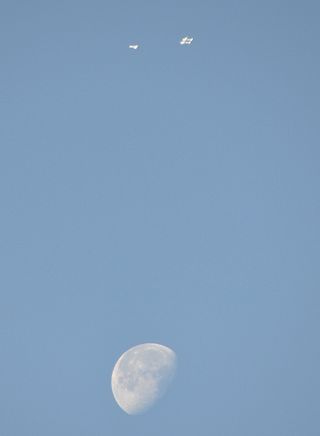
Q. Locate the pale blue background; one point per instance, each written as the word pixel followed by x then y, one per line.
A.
pixel 169 195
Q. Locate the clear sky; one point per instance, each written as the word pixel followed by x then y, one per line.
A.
pixel 168 194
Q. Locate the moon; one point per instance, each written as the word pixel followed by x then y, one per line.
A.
pixel 141 376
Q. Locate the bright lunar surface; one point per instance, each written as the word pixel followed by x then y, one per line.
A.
pixel 141 376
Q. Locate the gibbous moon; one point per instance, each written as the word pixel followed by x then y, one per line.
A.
pixel 141 376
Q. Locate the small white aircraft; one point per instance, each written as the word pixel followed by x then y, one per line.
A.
pixel 134 46
pixel 186 40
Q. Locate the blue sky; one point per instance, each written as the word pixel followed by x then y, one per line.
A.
pixel 165 195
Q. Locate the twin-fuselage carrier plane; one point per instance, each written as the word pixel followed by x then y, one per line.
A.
pixel 186 40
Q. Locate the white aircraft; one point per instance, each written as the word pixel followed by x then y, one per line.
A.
pixel 134 46
pixel 186 40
